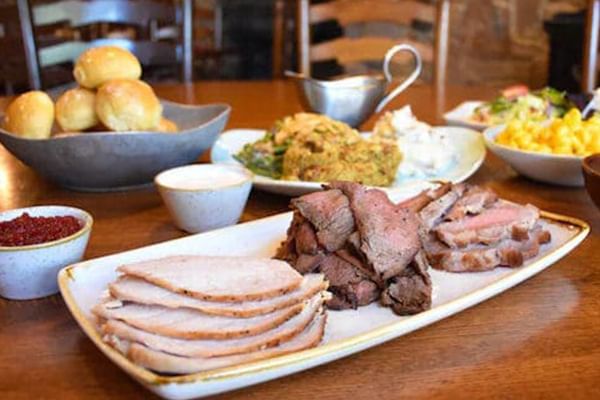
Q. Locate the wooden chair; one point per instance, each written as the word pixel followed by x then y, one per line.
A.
pixel 347 50
pixel 590 56
pixel 78 13
pixel 11 50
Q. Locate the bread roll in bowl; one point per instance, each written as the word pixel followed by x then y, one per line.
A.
pixel 76 110
pixel 99 65
pixel 166 125
pixel 128 105
pixel 30 115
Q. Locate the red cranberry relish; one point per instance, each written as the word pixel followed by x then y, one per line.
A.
pixel 26 230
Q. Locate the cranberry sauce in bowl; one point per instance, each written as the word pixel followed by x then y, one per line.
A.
pixel 35 243
pixel 26 230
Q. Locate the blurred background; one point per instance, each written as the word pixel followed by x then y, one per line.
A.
pixel 494 42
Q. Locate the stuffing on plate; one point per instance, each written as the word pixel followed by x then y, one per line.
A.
pixel 312 147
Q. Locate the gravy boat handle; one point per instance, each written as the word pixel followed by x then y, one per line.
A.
pixel 388 75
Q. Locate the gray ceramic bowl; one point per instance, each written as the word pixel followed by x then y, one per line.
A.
pixel 102 161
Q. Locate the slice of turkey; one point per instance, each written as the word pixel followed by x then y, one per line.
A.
pixel 218 278
pixel 191 324
pixel 116 330
pixel 128 288
pixel 167 363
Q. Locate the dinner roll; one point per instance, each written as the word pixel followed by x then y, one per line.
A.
pixel 128 105
pixel 101 64
pixel 76 110
pixel 166 125
pixel 30 115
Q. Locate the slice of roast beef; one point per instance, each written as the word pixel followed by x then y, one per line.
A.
pixel 349 285
pixel 307 263
pixel 478 257
pixel 433 213
pixel 357 260
pixel 421 200
pixel 410 292
pixel 473 201
pixel 306 239
pixel 287 249
pixel 329 212
pixel 388 234
pixel 502 220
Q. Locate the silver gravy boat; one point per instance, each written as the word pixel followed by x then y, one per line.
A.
pixel 353 99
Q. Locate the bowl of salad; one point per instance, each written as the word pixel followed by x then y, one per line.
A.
pixel 513 103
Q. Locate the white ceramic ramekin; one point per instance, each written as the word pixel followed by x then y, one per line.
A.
pixel 203 197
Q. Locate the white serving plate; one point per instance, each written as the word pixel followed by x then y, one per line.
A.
pixel 468 144
pixel 556 169
pixel 461 116
pixel 347 332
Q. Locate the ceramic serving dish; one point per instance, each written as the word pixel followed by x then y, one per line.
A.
pixel 591 173
pixel 466 143
pixel 101 161
pixel 550 168
pixel 347 332
pixel 461 116
pixel 29 272
pixel 204 196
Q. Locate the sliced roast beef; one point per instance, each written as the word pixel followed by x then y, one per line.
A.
pixel 308 263
pixel 287 249
pixel 349 285
pixel 502 220
pixel 483 257
pixel 410 292
pixel 473 201
pixel 329 212
pixel 388 234
pixel 433 213
pixel 419 202
pixel 306 239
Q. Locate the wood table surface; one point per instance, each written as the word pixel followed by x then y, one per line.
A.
pixel 540 339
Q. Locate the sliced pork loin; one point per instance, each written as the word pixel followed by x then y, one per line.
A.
pixel 115 330
pixel 329 212
pixel 202 277
pixel 172 364
pixel 482 257
pixel 502 220
pixel 191 324
pixel 473 201
pixel 410 292
pixel 128 288
pixel 435 211
pixel 424 198
pixel 388 234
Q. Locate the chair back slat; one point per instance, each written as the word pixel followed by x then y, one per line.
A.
pixel 149 53
pixel 349 50
pixel 348 12
pixel 146 16
pixel 353 14
pixel 80 13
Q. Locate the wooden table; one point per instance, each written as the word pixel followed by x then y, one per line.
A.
pixel 538 340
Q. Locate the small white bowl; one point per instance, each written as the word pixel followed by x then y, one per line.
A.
pixel 30 272
pixel 550 168
pixel 205 196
